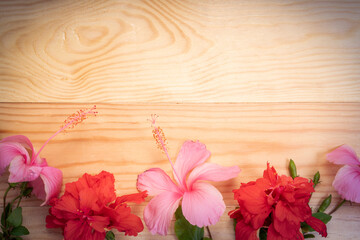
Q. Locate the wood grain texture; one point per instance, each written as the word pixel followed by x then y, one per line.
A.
pixel 119 140
pixel 179 51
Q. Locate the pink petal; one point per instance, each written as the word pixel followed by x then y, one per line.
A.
pixel 347 183
pixel 343 155
pixel 203 205
pixel 21 139
pixel 156 181
pixel 50 185
pixel 10 150
pixel 191 155
pixel 212 172
pixel 160 210
pixel 22 172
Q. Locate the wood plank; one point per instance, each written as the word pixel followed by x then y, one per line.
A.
pixel 119 140
pixel 179 51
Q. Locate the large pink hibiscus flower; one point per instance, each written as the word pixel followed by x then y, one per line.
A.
pixel 202 204
pixel 347 179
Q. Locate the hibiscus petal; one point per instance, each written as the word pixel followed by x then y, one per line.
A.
pixel 99 223
pixel 271 174
pixel 343 155
pixel 255 205
pixel 347 182
pixel 123 220
pixel 66 207
pixel 245 231
pixel 54 222
pixel 286 223
pixel 50 186
pixel 160 210
pixel 317 225
pixel 22 172
pixel 131 225
pixel 77 229
pixel 191 155
pixel 156 181
pixel 88 200
pixel 212 172
pixel 203 205
pixel 135 198
pixel 21 139
pixel 274 235
pixel 103 184
pixel 10 150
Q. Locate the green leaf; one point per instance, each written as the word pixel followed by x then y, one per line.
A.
pixel 309 236
pixel 325 218
pixel 15 218
pixel 20 231
pixel 292 169
pixel 316 179
pixel 184 230
pixel 206 238
pixel 263 233
pixel 110 235
pixel 325 204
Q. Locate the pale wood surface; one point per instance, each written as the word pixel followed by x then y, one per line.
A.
pixel 119 140
pixel 180 51
pixel 256 81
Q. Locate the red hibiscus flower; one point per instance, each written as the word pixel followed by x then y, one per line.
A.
pixel 278 202
pixel 89 208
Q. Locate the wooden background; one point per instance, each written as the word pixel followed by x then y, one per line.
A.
pixel 255 81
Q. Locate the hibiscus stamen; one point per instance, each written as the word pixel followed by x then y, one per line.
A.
pixel 70 122
pixel 161 142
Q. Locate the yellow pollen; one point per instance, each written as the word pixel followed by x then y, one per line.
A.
pixel 78 117
pixel 160 138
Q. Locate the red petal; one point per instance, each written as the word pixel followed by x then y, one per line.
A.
pixel 274 235
pixel 253 202
pixel 53 222
pixel 271 175
pixel 99 223
pixel 123 220
pixel 104 186
pixel 285 221
pixel 244 231
pixel 75 229
pixel 135 198
pixel 317 225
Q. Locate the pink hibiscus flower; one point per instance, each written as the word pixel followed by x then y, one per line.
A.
pixel 25 165
pixel 347 179
pixel 202 204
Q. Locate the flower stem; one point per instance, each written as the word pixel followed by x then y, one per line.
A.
pixel 5 195
pixel 338 206
pixel 208 229
pixel 13 201
pixel 5 213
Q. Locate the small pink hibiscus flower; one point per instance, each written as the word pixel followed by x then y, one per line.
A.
pixel 202 204
pixel 25 165
pixel 347 179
